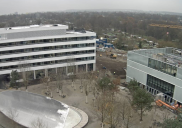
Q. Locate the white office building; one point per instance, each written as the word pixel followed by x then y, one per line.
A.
pixel 158 71
pixel 46 48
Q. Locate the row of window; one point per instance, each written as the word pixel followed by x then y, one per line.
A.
pixel 45 56
pixel 48 63
pixel 163 67
pixel 30 42
pixel 160 85
pixel 47 48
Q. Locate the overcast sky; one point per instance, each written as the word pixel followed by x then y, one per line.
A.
pixel 27 6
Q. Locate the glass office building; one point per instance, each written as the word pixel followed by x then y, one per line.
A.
pixel 158 70
pixel 46 48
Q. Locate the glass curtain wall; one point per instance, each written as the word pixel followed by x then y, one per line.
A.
pixel 163 67
pixel 160 85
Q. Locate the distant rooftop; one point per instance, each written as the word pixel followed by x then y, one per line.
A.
pixel 32 28
pixel 169 55
pixel 38 31
pixel 35 26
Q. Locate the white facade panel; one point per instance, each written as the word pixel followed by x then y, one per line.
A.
pixel 46 52
pixel 46 45
pixel 134 73
pixel 139 72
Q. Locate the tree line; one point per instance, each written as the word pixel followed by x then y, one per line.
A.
pixel 100 22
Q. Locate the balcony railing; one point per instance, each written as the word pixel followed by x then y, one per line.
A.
pixel 40 49
pixel 14 67
pixel 41 57
pixel 39 42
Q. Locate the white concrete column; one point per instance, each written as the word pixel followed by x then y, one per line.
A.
pixel 34 74
pixel 153 92
pixel 66 70
pixel 46 72
pixel 86 67
pixel 56 70
pixel 94 67
pixel 76 68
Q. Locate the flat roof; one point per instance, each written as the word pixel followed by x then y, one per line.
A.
pixel 169 54
pixel 108 44
pixel 32 28
pixel 73 32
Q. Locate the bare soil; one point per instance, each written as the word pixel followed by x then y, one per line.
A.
pixel 113 65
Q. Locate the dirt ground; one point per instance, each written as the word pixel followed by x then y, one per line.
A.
pixel 113 65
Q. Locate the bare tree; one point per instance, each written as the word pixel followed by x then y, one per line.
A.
pixel 102 102
pixel 60 82
pixel 45 81
pixel 90 77
pixel 85 86
pixel 112 110
pixel 92 85
pixel 81 77
pixel 124 106
pixel 96 78
pixel 87 83
pixel 39 124
pixel 126 112
pixel 128 116
pixel 24 68
pixel 71 69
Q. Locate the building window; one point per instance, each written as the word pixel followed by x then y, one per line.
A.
pixel 44 41
pixel 160 85
pixel 48 62
pixel 162 66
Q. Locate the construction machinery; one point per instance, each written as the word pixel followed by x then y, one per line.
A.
pixel 160 103
pixel 113 56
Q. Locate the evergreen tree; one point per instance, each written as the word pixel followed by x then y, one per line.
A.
pixel 142 101
pixel 172 123
pixel 14 77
